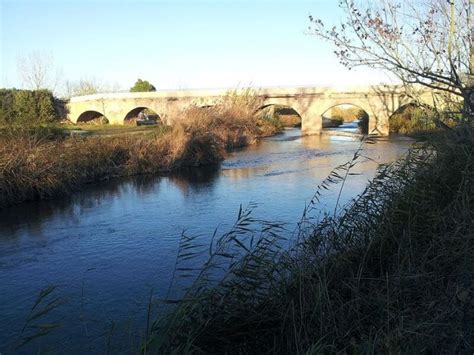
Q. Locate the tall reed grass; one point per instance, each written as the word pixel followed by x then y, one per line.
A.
pixel 390 272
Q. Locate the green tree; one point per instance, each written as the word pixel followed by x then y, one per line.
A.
pixel 7 103
pixel 46 111
pixel 142 86
pixel 27 107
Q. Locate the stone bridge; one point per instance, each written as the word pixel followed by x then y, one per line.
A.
pixel 379 102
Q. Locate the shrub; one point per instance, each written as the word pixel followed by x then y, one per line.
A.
pixel 339 115
pixel 35 163
pixel 27 107
pixel 412 119
pixel 7 105
pixel 233 119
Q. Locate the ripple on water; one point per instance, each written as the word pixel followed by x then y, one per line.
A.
pixel 109 245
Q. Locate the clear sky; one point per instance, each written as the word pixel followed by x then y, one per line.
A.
pixel 176 44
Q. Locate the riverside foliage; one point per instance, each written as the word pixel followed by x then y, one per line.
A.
pixel 37 163
pixel 390 272
pixel 28 107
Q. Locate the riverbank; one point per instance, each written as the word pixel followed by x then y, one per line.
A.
pixel 107 246
pixel 392 272
pixel 39 163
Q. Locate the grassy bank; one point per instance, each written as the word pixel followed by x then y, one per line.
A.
pixel 391 272
pixel 38 163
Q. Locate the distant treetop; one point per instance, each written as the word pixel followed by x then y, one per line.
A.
pixel 142 86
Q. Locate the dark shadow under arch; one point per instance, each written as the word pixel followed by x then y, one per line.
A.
pixel 132 116
pixel 91 115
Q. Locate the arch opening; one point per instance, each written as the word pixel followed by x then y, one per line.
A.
pixel 285 115
pixel 346 117
pixel 142 116
pixel 92 117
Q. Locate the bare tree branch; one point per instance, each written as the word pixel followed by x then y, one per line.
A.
pixel 36 71
pixel 420 42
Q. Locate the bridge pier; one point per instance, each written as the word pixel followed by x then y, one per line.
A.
pixel 378 123
pixel 311 125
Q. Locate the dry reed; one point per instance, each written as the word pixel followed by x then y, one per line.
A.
pixel 392 272
pixel 38 164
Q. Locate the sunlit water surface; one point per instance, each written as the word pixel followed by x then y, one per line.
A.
pixel 107 247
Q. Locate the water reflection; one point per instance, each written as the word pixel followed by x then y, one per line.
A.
pixel 196 180
pixel 120 238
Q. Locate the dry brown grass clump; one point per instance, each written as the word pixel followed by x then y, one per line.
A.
pixel 36 168
pixel 232 119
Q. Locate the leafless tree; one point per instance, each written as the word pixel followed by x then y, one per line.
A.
pixel 418 41
pixel 87 86
pixel 36 70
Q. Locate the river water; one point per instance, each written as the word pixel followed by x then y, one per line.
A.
pixel 107 247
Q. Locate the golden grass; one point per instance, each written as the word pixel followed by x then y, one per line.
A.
pixel 32 168
pixel 36 164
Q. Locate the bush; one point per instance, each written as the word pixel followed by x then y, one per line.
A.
pixel 7 105
pixel 412 119
pixel 233 119
pixel 27 107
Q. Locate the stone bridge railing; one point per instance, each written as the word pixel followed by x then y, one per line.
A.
pixel 311 103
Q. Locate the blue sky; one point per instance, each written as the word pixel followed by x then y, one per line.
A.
pixel 175 44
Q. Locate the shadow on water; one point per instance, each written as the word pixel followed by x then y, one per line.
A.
pixel 196 178
pixel 29 216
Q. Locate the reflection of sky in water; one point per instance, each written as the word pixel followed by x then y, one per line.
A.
pixel 107 246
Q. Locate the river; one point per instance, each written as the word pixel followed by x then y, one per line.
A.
pixel 105 248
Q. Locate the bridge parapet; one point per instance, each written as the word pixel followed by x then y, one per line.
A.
pixel 310 102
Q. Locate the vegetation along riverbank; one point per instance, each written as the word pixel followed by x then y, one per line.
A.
pixel 390 272
pixel 38 162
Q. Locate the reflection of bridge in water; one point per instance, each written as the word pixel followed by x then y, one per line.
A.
pixel 379 102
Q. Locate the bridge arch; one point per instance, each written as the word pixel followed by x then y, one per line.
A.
pixel 343 113
pixel 286 114
pixel 133 114
pixel 91 115
pixel 377 114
